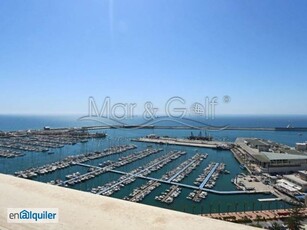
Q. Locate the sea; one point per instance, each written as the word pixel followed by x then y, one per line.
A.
pixel 213 203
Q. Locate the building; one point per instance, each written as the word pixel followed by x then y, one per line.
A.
pixel 258 144
pixel 301 146
pixel 271 157
pixel 281 162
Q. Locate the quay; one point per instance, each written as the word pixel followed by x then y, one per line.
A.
pixel 186 142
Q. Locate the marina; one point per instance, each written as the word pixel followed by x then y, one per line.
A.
pixel 173 176
pixel 111 167
pixel 76 178
pixel 169 195
pixel 71 160
pixel 6 153
pixel 44 140
pixel 128 178
pixel 197 195
pixel 133 115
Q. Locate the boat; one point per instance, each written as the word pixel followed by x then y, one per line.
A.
pixel 242 166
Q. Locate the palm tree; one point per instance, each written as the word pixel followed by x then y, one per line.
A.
pixel 258 218
pixel 275 226
pixel 294 221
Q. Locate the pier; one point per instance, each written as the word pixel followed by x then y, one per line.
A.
pixel 269 199
pixel 71 160
pixel 169 195
pixel 139 194
pixel 182 170
pixel 186 142
pixel 127 178
pixel 96 171
pixel 186 185
pixel 208 176
pixel 138 175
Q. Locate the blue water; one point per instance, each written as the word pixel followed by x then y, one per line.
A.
pixel 213 203
pixel 21 122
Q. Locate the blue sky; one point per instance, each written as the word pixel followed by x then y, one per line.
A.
pixel 55 54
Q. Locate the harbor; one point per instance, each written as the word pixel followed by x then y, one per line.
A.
pixel 152 166
pixel 76 178
pixel 71 160
pixel 147 172
pixel 41 140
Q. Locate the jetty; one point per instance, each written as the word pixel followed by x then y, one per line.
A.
pixel 185 142
pixel 208 176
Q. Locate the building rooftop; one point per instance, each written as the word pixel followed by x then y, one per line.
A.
pixel 83 210
pixel 283 156
pixel 257 142
pixel 262 158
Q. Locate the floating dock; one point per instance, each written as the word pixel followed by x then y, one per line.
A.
pixel 209 176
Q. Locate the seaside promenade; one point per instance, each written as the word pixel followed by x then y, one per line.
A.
pixel 254 215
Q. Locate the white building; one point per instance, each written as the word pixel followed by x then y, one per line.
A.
pixel 301 146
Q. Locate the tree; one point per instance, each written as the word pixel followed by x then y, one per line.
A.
pixel 276 226
pixel 294 221
pixel 258 219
